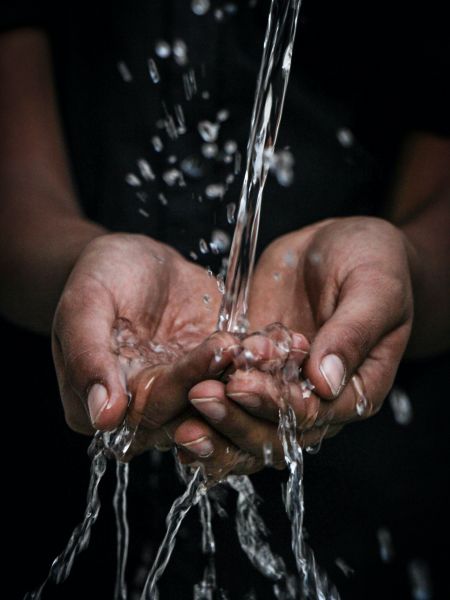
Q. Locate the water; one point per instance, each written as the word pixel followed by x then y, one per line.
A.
pixel 79 540
pixel 120 510
pixel 267 111
pixel 180 508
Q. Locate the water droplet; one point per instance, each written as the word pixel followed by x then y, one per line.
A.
pixel 207 299
pixel 230 8
pixel 153 71
pixel 142 196
pixel 215 190
pixel 237 162
pixel 181 121
pixel 162 49
pixel 277 276
pixel 210 150
pixel 180 52
pixel 200 7
pixel 221 283
pixel 343 566
pixel 192 166
pixel 385 544
pixel 231 212
pixel 163 199
pixel 157 143
pixel 230 147
pixel 173 177
pixel 189 84
pixel 208 131
pixel 124 71
pixel 219 14
pixel 132 180
pixel 193 255
pixel 203 246
pixel 287 59
pixel 172 159
pixel 229 179
pixel 345 137
pixel 281 165
pixel 268 454
pixel 144 213
pixel 420 579
pixel 206 95
pixel 145 169
pixel 223 115
pixel 220 240
pixel 401 406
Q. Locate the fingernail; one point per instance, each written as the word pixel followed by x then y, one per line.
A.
pixel 333 370
pixel 97 401
pixel 298 342
pixel 210 407
pixel 202 446
pixel 248 400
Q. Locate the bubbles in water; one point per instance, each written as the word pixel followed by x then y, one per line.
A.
pixel 419 576
pixel 220 241
pixel 132 180
pixel 210 150
pixel 230 147
pixel 215 190
pixel 203 246
pixel 145 169
pixel 345 137
pixel 124 71
pixel 192 166
pixel 180 52
pixel 231 213
pixel 157 143
pixel 208 131
pixel 200 7
pixel 173 177
pixel 153 71
pixel 385 544
pixel 401 406
pixel 268 454
pixel 162 49
pixel 343 566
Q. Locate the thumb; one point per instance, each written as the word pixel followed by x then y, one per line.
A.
pixel 91 381
pixel 368 309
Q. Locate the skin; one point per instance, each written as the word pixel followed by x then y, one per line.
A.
pixel 335 282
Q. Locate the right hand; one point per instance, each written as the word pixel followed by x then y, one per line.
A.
pixel 126 295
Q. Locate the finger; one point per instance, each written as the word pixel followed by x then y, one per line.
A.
pixel 354 328
pixel 367 389
pixel 246 432
pixel 201 444
pixel 259 394
pixel 91 381
pixel 160 393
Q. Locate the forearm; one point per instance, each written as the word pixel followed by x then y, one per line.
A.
pixel 36 257
pixel 429 235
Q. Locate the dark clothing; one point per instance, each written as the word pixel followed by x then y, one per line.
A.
pixel 374 75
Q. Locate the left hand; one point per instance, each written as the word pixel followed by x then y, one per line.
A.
pixel 345 284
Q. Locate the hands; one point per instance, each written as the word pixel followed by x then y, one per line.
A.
pixel 344 283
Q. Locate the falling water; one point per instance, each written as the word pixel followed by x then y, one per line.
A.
pixel 79 540
pixel 120 510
